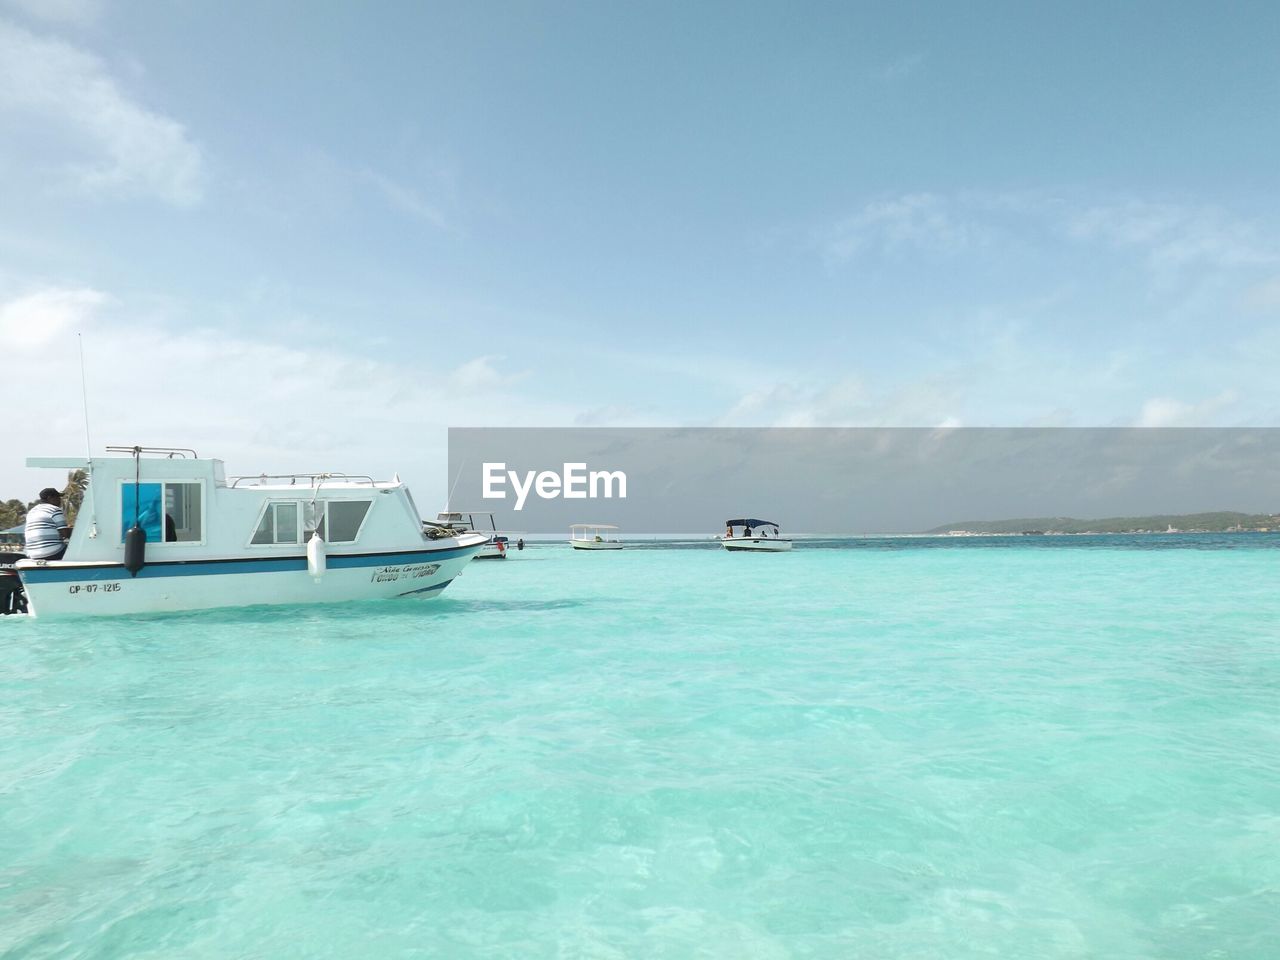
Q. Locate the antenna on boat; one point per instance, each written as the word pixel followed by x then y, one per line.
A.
pixel 448 503
pixel 84 399
pixel 88 444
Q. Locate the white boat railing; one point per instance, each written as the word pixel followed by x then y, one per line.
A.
pixel 171 453
pixel 312 479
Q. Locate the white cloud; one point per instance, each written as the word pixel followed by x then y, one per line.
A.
pixel 1168 412
pixel 1167 236
pixel 920 221
pixel 1163 412
pixel 405 199
pixel 480 374
pixel 1175 236
pixel 262 406
pixel 75 12
pixel 39 318
pixel 134 151
pixel 617 415
pixel 901 68
pixel 847 402
pixel 1263 297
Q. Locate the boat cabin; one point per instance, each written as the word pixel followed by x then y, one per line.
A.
pixel 189 509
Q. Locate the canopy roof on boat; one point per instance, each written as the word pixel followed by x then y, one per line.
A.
pixel 592 526
pixel 749 523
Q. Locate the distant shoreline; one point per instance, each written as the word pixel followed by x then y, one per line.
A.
pixel 713 540
pixel 1216 522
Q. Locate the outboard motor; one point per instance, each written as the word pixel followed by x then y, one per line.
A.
pixel 13 599
pixel 135 549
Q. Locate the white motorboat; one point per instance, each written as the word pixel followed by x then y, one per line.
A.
pixel 496 542
pixel 162 529
pixel 760 536
pixel 593 536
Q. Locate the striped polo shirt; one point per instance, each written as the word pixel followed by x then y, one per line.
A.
pixel 43 539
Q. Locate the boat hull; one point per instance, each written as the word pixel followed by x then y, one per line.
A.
pixel 60 588
pixel 595 545
pixel 756 544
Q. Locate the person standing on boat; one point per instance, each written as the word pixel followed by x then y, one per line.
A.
pixel 47 527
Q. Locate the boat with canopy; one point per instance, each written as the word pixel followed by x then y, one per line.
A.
pixel 760 536
pixel 593 536
pixel 476 521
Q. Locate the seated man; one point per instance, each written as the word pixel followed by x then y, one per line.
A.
pixel 47 527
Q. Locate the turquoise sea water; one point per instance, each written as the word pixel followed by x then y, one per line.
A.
pixel 1025 748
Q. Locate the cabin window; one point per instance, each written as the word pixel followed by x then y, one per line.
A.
pixel 182 505
pixel 168 512
pixel 279 523
pixel 342 520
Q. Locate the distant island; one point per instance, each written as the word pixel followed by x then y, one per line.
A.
pixel 1221 522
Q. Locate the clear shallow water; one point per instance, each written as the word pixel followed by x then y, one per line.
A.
pixel 896 751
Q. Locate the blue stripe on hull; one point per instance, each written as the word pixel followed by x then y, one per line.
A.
pixel 205 568
pixel 386 559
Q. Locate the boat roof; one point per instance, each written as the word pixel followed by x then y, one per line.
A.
pixel 175 463
pixel 593 526
pixel 749 522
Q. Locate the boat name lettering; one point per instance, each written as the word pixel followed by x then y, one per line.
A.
pixel 413 571
pixel 576 482
pixel 93 588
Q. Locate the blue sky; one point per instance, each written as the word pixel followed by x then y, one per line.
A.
pixel 316 235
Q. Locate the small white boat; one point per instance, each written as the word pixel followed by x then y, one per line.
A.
pixel 162 529
pixel 496 543
pixel 761 536
pixel 593 536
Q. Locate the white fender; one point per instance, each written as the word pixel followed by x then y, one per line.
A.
pixel 315 556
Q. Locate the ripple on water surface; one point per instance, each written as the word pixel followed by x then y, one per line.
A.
pixel 878 752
